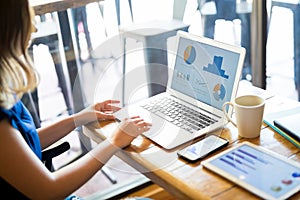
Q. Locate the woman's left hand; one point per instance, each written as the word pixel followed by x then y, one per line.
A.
pixel 97 112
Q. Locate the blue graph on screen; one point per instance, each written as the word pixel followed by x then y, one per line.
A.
pixel 216 67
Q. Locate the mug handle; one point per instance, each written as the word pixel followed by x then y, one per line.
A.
pixel 226 114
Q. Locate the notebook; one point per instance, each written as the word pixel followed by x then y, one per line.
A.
pixel 205 73
pixel 287 118
pixel 290 125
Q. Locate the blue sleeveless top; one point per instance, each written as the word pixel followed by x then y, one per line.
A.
pixel 20 118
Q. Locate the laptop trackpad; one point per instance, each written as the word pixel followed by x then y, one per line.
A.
pixel 163 133
pixel 131 111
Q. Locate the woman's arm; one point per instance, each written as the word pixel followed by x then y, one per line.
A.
pixel 52 133
pixel 100 111
pixel 23 170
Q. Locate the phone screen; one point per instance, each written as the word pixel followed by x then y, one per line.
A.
pixel 202 148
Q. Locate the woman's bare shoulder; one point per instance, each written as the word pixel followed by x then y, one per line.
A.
pixel 8 134
pixel 5 127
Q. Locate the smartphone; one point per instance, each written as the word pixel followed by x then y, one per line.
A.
pixel 202 148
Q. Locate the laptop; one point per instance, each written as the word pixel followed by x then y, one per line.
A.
pixel 205 74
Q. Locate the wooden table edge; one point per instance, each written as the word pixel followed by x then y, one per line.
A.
pixel 170 183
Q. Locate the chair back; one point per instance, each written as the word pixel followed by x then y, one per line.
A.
pixel 178 9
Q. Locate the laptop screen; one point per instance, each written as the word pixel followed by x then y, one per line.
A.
pixel 205 72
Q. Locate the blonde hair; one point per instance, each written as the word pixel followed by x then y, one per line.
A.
pixel 17 74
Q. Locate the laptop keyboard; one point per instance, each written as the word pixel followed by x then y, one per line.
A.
pixel 179 114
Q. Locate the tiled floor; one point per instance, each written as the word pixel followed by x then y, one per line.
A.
pixel 102 80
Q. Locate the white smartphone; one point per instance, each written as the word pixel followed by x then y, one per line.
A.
pixel 202 148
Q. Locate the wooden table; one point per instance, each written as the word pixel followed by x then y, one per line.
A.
pixel 48 6
pixel 191 181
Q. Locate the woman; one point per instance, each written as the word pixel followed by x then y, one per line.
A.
pixel 23 175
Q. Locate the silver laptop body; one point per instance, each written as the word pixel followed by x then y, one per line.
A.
pixel 205 73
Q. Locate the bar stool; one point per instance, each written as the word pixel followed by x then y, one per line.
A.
pixel 295 8
pixel 153 35
pixel 48 34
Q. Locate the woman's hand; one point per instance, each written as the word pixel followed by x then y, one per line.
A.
pixel 128 130
pixel 97 112
pixel 105 109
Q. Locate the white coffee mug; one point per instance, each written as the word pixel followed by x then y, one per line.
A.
pixel 249 111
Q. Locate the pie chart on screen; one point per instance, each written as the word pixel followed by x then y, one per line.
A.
pixel 189 54
pixel 219 92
